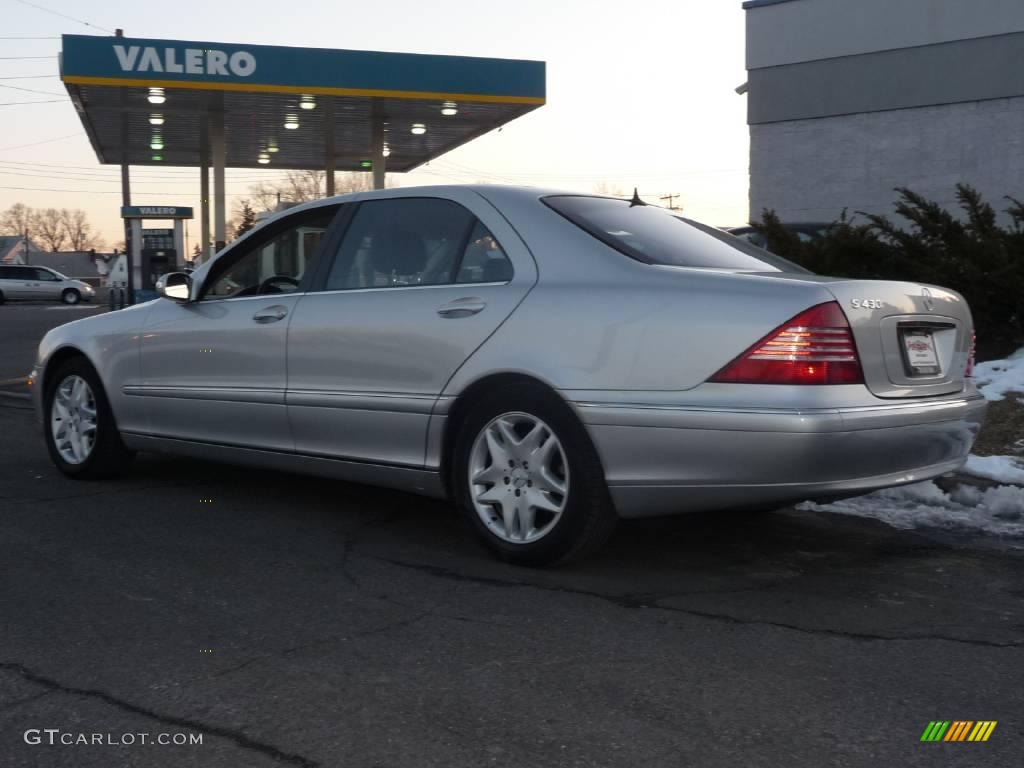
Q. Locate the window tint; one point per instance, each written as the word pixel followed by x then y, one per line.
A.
pixel 402 242
pixel 17 273
pixel 655 236
pixel 44 274
pixel 484 261
pixel 271 262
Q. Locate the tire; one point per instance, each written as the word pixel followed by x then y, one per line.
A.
pixel 586 517
pixel 70 296
pixel 107 456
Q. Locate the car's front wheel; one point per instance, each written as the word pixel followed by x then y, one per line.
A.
pixel 81 435
pixel 529 480
pixel 70 296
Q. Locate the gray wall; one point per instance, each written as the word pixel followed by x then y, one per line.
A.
pixel 809 170
pixel 807 30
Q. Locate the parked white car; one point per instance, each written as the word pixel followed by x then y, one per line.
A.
pixel 28 282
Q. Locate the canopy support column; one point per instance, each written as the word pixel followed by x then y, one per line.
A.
pixel 204 197
pixel 219 151
pixel 379 160
pixel 330 161
pixel 126 200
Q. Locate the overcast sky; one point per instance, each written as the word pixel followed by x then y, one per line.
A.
pixel 639 93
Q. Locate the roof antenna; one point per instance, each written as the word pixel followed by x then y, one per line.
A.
pixel 636 199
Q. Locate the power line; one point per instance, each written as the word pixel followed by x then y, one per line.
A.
pixel 63 15
pixel 44 141
pixel 20 58
pixel 103 191
pixel 16 103
pixel 29 90
pixel 28 77
pixel 30 37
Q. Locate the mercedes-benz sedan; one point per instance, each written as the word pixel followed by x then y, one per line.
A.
pixel 549 361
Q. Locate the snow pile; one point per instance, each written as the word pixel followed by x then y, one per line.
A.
pixel 1002 469
pixel 997 377
pixel 998 510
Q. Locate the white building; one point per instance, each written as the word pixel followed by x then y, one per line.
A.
pixel 848 99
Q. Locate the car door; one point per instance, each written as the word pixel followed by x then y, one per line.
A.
pixel 415 286
pixel 13 282
pixel 213 370
pixel 46 284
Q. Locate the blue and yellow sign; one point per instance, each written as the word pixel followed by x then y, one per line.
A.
pixel 122 61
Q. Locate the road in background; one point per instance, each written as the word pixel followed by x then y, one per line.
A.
pixel 23 324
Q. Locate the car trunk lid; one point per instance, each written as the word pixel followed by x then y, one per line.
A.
pixel 913 340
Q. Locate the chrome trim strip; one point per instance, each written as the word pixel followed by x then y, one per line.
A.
pixel 376 289
pixel 395 402
pixel 228 394
pixel 958 403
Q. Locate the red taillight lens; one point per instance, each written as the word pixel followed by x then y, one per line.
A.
pixel 815 347
pixel 969 372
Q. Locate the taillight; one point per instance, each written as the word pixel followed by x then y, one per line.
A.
pixel 815 347
pixel 969 371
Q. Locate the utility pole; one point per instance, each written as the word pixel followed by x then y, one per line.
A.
pixel 671 205
pixel 27 257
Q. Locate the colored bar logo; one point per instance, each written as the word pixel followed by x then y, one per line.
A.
pixel 958 730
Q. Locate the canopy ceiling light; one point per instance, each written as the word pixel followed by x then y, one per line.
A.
pixel 291 122
pixel 307 102
pixel 157 142
pixel 156 119
pixel 449 109
pixel 418 129
pixel 156 96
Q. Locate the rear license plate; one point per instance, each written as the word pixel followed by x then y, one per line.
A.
pixel 920 354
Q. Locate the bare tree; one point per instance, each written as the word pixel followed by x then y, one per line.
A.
pixel 79 230
pixel 608 189
pixel 47 224
pixel 302 186
pixel 15 220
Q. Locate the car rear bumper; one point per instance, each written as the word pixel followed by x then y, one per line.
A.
pixel 662 460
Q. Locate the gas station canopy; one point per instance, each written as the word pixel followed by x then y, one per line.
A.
pixel 148 102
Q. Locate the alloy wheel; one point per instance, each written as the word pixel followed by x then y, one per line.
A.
pixel 73 421
pixel 518 477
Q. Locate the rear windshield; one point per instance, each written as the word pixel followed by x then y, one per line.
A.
pixel 654 235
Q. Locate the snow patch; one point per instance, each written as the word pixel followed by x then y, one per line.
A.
pixel 1002 469
pixel 998 510
pixel 997 377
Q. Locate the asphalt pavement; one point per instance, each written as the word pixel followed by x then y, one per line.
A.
pixel 290 621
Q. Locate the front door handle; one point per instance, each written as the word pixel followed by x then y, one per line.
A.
pixel 271 314
pixel 464 307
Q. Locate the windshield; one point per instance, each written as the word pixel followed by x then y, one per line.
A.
pixel 654 235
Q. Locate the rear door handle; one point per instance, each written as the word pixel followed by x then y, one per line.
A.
pixel 464 307
pixel 271 314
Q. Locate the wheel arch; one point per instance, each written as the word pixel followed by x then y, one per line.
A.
pixel 474 393
pixel 60 356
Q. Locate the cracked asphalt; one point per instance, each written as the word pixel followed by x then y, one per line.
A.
pixel 304 622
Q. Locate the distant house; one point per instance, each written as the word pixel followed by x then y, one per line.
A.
pixel 12 250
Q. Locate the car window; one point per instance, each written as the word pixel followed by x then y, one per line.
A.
pixel 44 274
pixel 274 261
pixel 484 260
pixel 402 242
pixel 654 235
pixel 18 273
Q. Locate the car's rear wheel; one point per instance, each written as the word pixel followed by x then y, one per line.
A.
pixel 70 296
pixel 81 435
pixel 528 478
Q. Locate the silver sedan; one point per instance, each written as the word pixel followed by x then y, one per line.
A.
pixel 549 361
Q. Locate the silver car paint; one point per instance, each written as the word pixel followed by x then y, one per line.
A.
pixel 629 346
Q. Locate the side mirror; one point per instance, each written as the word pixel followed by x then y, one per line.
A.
pixel 176 286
